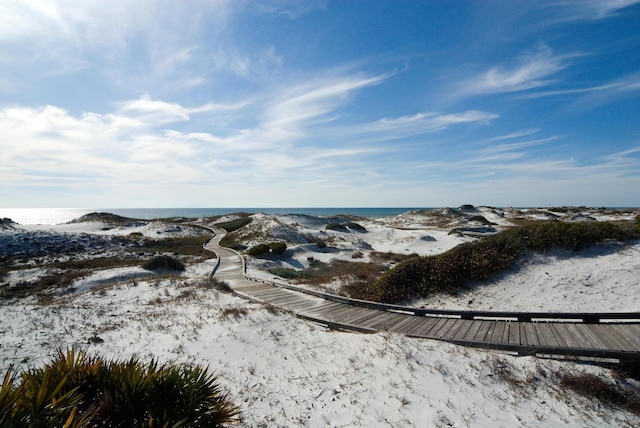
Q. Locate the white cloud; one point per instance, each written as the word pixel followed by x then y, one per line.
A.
pixel 589 96
pixel 290 8
pixel 421 123
pixel 588 10
pixel 153 112
pixel 517 134
pixel 138 44
pixel 533 70
pixel 311 103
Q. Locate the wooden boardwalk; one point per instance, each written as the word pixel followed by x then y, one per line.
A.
pixel 605 337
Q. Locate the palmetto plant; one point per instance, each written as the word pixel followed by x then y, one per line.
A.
pixel 76 390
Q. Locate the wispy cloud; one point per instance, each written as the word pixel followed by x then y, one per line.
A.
pixel 532 70
pixel 154 112
pixel 590 95
pixel 517 134
pixel 289 8
pixel 502 148
pixel 589 10
pixel 312 103
pixel 417 124
pixel 146 43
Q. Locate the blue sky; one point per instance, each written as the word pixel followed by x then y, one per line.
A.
pixel 305 103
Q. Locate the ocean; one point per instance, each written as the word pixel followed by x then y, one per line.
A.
pixel 65 215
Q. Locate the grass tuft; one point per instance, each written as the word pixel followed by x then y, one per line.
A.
pixel 609 393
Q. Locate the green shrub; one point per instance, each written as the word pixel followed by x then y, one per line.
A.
pixel 338 227
pixel 477 261
pixel 258 250
pixel 288 273
pixel 346 227
pixel 278 248
pixel 76 390
pixel 233 225
pixel 164 262
pixel 355 226
pixel 480 219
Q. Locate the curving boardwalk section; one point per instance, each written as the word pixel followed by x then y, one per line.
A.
pixel 603 337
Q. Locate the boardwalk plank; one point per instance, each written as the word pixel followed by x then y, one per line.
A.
pixel 546 336
pixel 612 338
pixel 461 330
pixel 384 321
pixel 427 325
pixel 363 316
pixel 498 331
pixel 450 324
pixel 410 326
pixel 473 331
pixel 514 333
pixel 564 334
pixel 433 331
pixel 358 313
pixel 631 334
pixel 485 325
pixel 334 313
pixel 530 336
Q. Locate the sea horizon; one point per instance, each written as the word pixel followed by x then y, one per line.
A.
pixel 53 216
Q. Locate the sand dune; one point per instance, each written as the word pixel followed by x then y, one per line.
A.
pixel 283 371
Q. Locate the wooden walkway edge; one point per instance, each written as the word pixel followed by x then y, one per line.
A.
pixel 597 337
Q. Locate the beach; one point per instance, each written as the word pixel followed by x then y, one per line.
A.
pixel 283 371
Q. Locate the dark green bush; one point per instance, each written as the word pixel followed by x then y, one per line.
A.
pixel 355 226
pixel 278 248
pixel 480 219
pixel 164 262
pixel 477 261
pixel 288 273
pixel 258 250
pixel 75 390
pixel 338 227
pixel 233 225
pixel 346 227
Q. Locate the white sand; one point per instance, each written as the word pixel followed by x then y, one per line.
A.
pixel 285 372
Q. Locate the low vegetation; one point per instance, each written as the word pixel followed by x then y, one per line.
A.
pixel 186 245
pixel 275 248
pixel 477 261
pixel 609 393
pixel 58 280
pixel 230 240
pixel 618 391
pixel 351 275
pixel 346 227
pixel 233 225
pixel 164 262
pixel 76 390
pixel 213 283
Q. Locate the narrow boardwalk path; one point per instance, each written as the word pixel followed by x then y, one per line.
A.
pixel 611 338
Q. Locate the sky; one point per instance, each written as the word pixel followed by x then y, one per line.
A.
pixel 319 103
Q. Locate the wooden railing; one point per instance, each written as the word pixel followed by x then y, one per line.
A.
pixel 583 317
